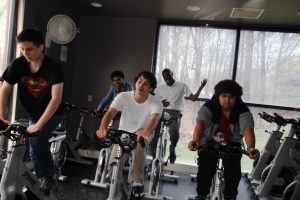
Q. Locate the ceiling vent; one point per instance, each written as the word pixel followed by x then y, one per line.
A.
pixel 246 13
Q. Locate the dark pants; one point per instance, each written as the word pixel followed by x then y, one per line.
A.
pixel 40 149
pixel 207 162
pixel 173 131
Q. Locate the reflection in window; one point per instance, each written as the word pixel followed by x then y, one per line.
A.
pixel 269 67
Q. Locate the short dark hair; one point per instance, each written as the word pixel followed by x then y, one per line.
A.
pixel 149 76
pixel 31 35
pixel 167 70
pixel 229 86
pixel 117 74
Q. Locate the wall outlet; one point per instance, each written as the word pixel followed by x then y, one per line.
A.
pixel 90 98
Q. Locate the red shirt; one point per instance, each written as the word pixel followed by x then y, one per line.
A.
pixel 224 132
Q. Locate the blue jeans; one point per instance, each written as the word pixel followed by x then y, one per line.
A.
pixel 40 148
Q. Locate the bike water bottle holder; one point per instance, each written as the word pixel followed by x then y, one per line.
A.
pixel 127 142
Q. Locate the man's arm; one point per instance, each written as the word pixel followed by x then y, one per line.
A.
pixel 152 123
pixel 104 102
pixel 197 135
pixel 109 115
pixel 56 97
pixel 193 97
pixel 250 142
pixel 5 90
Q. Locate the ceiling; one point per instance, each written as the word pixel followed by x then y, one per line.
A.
pixel 277 13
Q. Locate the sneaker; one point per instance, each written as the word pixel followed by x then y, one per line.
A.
pixel 47 184
pixel 137 190
pixel 172 157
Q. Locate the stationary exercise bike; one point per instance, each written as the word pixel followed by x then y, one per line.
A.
pixel 271 147
pixel 2 151
pixel 18 181
pixel 100 179
pixel 126 142
pixel 292 191
pixel 73 145
pixel 225 150
pixel 282 170
pixel 158 163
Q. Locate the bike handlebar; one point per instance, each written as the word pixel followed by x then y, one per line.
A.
pixel 83 110
pixel 279 120
pixel 126 140
pixel 9 130
pixel 223 147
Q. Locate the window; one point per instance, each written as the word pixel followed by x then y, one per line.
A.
pixel 4 31
pixel 193 54
pixel 268 69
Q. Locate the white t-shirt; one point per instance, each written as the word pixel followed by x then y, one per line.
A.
pixel 174 94
pixel 135 116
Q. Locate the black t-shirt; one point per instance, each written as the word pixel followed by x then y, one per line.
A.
pixel 34 89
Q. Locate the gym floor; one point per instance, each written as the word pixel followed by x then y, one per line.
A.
pixel 74 190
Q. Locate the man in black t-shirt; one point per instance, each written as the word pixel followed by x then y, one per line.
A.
pixel 40 86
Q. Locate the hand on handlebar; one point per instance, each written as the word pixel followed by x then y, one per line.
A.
pixel 193 145
pixel 141 133
pixel 253 153
pixel 101 133
pixel 33 129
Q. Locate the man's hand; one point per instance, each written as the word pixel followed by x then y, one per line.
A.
pixel 5 120
pixel 253 153
pixel 193 145
pixel 165 103
pixel 34 128
pixel 203 83
pixel 101 133
pixel 142 133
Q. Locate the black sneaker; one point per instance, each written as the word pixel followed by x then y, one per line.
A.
pixel 47 184
pixel 137 191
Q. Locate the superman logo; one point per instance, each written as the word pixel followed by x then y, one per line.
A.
pixel 35 86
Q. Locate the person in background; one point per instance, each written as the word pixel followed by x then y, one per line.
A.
pixel 172 95
pixel 40 82
pixel 119 85
pixel 224 118
pixel 140 113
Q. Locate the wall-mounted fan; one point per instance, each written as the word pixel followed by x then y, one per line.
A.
pixel 61 29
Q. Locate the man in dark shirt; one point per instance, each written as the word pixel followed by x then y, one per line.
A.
pixel 40 86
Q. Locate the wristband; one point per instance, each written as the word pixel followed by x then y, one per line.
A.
pixel 251 147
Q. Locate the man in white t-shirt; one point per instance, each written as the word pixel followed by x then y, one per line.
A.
pixel 172 95
pixel 141 112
